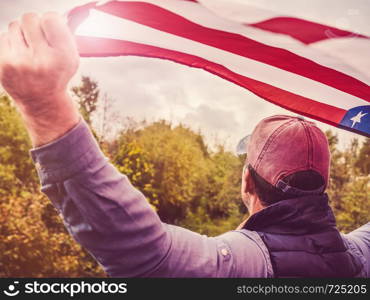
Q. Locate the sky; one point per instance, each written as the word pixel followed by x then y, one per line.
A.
pixel 152 89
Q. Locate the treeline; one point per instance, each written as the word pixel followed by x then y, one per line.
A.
pixel 186 182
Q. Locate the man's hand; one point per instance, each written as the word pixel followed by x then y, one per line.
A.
pixel 38 57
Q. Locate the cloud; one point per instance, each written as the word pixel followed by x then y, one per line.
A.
pixel 216 119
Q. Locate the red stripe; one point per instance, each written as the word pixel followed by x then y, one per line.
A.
pixel 305 31
pixel 99 47
pixel 161 19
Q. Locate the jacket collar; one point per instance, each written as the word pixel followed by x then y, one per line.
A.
pixel 298 216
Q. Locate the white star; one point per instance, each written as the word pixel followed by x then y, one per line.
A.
pixel 357 118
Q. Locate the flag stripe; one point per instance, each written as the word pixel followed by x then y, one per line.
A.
pixel 96 47
pixel 349 51
pixel 305 31
pixel 274 66
pixel 135 32
pixel 166 21
pixel 200 15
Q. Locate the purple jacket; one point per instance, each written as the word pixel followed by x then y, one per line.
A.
pixel 115 223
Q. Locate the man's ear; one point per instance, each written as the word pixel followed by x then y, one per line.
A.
pixel 249 184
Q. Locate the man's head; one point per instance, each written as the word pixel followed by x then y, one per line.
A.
pixel 287 157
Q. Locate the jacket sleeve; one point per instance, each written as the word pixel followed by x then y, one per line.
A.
pixel 114 221
pixel 360 238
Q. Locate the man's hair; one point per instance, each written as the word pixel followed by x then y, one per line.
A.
pixel 269 194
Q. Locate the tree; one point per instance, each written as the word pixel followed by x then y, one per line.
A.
pixel 339 173
pixel 31 247
pixel 224 180
pixel 349 186
pixel 16 167
pixel 175 155
pixel 363 160
pixel 132 160
pixel 179 175
pixel 355 205
pixel 33 240
pixel 87 96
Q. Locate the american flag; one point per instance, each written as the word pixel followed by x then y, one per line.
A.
pixel 276 57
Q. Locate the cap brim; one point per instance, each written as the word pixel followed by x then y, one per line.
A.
pixel 241 148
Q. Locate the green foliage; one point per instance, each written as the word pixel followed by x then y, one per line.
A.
pixel 133 161
pixel 180 175
pixel 33 240
pixel 201 222
pixel 355 205
pixel 16 167
pixel 349 187
pixel 31 247
pixel 363 161
pixel 222 195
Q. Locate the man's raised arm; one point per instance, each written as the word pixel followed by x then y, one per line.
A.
pixel 38 57
pixel 100 207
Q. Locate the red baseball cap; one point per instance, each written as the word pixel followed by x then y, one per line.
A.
pixel 283 145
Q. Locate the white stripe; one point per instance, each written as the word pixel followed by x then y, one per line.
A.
pixel 351 50
pixel 241 12
pixel 100 24
pixel 201 15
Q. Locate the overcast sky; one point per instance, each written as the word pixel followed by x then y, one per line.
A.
pixel 153 89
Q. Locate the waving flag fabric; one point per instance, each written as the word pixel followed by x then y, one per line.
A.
pixel 271 58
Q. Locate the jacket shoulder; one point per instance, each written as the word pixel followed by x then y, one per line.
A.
pixel 249 252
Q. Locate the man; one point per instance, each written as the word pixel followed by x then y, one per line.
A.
pixel 291 230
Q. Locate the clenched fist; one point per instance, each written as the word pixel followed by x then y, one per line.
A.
pixel 38 57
